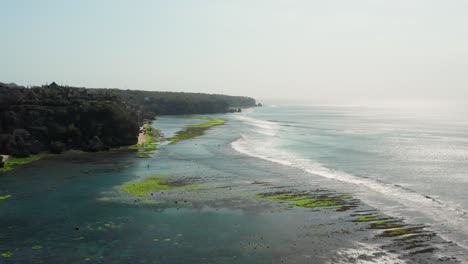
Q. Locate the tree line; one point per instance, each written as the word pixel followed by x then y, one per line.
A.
pixel 56 118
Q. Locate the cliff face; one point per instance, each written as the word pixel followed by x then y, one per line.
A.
pixel 56 118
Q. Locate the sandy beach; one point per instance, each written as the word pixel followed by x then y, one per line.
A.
pixel 142 136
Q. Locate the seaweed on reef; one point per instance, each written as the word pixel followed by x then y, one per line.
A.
pixel 402 231
pixel 155 183
pixel 370 218
pixel 387 225
pixel 4 197
pixel 196 130
pixel 339 202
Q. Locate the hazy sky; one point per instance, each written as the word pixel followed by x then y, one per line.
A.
pixel 317 50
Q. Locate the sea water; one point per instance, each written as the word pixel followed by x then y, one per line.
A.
pixel 70 208
pixel 408 160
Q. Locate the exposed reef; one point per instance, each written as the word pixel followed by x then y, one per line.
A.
pixel 153 184
pixel 196 130
pixel 340 202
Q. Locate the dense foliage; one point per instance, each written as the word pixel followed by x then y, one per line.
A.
pixel 57 118
pixel 172 103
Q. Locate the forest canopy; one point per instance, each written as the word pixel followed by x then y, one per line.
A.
pixel 56 118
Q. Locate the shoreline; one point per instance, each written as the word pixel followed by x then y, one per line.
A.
pixel 142 137
pixel 12 162
pixel 148 141
pixel 310 217
pixel 196 130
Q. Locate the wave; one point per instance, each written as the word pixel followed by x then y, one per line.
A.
pixel 267 148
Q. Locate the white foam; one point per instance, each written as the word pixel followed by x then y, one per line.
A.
pixel 442 213
pixel 366 254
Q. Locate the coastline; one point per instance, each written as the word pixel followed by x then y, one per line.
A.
pixel 201 189
pixel 12 163
pixel 196 130
pixel 147 143
pixel 142 136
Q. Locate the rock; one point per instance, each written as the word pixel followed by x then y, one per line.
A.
pixel 96 144
pixel 57 147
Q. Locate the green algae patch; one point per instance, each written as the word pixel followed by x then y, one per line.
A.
pixel 401 231
pixel 386 225
pixel 155 183
pixel 314 203
pixel 7 254
pixel 196 130
pixel 310 200
pixel 36 247
pixel 144 187
pixel 287 197
pixel 370 219
pixel 4 197
pixel 13 162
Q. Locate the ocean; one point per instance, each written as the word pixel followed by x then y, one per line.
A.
pixel 410 161
pixel 275 184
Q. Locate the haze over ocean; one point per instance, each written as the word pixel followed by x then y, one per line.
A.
pixel 310 51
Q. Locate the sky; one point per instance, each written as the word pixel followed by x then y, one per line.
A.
pixel 296 50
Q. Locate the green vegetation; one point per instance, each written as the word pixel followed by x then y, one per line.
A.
pixel 152 103
pixel 152 137
pixel 36 247
pixel 401 231
pixel 196 130
pixel 369 219
pixel 7 254
pixel 385 225
pixel 313 203
pixel 146 186
pixel 13 162
pixel 54 118
pixel 4 197
pixel 310 200
pixel 154 183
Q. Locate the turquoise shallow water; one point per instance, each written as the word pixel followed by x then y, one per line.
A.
pixel 70 209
